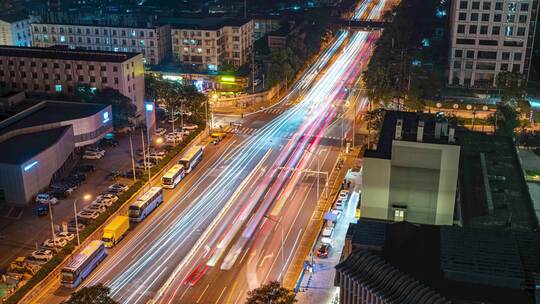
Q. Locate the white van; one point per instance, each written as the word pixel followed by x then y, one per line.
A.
pixel 328 231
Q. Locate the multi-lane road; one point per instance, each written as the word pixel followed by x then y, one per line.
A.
pixel 235 221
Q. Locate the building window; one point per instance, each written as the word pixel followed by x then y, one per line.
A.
pixel 521 31
pixel 457 64
pixel 517 56
pixel 485 17
pixel 92 79
pixel 486 5
pixel 498 6
pixel 463 4
pixel 495 30
pixel 472 29
pixel 524 7
pixel 516 68
pixel 103 68
pixel 505 56
pixel 115 80
pixel 462 16
pixel 504 66
pixel 474 16
pixel 483 30
pixel 91 67
pixel 476 5
pixel 58 88
pixel 470 54
pixel 497 18
pixel 115 69
pixel 103 79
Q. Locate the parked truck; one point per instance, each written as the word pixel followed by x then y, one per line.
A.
pixel 115 230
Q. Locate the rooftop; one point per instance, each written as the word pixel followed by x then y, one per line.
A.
pixel 47 112
pixel 410 121
pixel 13 17
pixel 22 148
pixel 208 23
pixel 65 54
pixel 462 264
pixel 493 191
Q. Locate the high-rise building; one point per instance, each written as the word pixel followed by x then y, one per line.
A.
pixel 15 29
pixel 210 43
pixel 488 37
pixel 61 70
pixel 153 42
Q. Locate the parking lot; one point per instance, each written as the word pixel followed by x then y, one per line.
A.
pixel 23 231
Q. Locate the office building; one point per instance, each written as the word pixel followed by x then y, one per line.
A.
pixel 153 42
pixel 208 43
pixel 61 70
pixel 412 174
pixel 264 25
pixel 39 143
pixel 15 29
pixel 488 37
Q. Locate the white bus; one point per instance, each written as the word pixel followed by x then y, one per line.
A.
pixel 191 158
pixel 173 176
pixel 82 264
pixel 145 204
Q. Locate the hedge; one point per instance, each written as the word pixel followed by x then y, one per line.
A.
pixel 88 230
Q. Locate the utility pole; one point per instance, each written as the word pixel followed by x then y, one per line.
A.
pixel 77 221
pixel 52 224
pixel 132 157
pixel 245 9
pixel 253 70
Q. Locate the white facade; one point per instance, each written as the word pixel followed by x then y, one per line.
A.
pixel 16 31
pixel 488 37
pixel 210 48
pixel 153 43
pixel 418 184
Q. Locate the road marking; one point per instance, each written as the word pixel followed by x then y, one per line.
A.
pixel 221 294
pixel 243 256
pixel 292 252
pixel 268 256
pixel 202 294
pixel 253 254
pixel 238 297
pixel 232 292
pixel 139 250
pixel 184 293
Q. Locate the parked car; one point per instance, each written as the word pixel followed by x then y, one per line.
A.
pixel 143 166
pixel 86 168
pixel 327 232
pixel 87 216
pixel 129 173
pixel 337 213
pixel 159 155
pixel 72 227
pixel 42 255
pixel 92 155
pixel 95 150
pixel 190 127
pixel 124 130
pixel 56 243
pixel 119 186
pixel 78 177
pixel 173 137
pixel 45 198
pixel 107 199
pixel 161 131
pixel 112 175
pixel 323 250
pixel 68 236
pixel 42 210
pixel 96 208
pixel 110 142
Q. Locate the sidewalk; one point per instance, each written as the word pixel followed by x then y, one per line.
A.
pixel 318 286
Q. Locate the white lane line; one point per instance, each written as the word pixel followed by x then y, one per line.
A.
pixel 238 297
pixel 202 294
pixel 184 293
pixel 141 248
pixel 221 294
pixel 243 256
pixel 290 255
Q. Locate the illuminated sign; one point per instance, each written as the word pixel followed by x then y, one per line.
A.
pixel 30 165
pixel 106 117
pixel 149 107
pixel 228 79
pixel 172 77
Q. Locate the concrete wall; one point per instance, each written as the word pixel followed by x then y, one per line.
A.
pixel 375 188
pixel 420 176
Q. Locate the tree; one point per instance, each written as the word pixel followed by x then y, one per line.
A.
pixel 123 109
pixel 271 292
pixel 97 294
pixel 512 86
pixel 284 65
pixel 505 119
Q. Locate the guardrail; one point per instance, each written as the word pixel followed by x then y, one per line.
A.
pixel 310 236
pixel 54 274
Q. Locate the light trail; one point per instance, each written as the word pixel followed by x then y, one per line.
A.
pixel 139 280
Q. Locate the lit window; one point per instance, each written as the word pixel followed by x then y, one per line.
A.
pixel 62 38
pixel 58 88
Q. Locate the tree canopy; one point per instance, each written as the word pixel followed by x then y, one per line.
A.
pixel 271 292
pixel 97 294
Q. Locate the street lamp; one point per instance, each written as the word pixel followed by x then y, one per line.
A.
pixel 86 197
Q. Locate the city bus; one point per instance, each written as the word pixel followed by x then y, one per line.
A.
pixel 173 176
pixel 82 264
pixel 145 204
pixel 191 158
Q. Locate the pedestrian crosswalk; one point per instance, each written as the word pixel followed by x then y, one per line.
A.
pixel 240 130
pixel 275 110
pixel 328 140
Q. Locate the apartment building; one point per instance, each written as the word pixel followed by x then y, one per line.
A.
pixel 488 37
pixel 264 25
pixel 153 42
pixel 211 42
pixel 15 29
pixel 60 70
